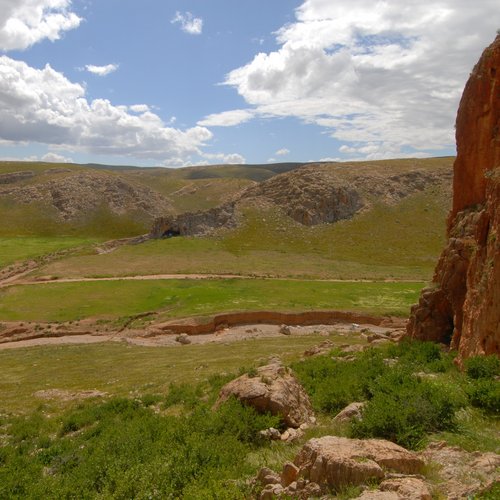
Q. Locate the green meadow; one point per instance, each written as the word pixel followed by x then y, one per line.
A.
pixel 182 298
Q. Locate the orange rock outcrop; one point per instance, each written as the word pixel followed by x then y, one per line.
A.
pixel 462 307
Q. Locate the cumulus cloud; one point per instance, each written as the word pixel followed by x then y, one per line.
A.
pixel 101 70
pixel 139 108
pixel 282 152
pixel 227 118
pixel 189 24
pixel 56 158
pixel 26 22
pixel 42 105
pixel 382 77
pixel 228 159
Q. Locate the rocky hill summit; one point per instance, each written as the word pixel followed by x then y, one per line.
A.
pixel 318 193
pixel 462 307
pixel 73 193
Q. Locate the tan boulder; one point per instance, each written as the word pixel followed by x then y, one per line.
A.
pixel 275 390
pixel 350 412
pixel 336 461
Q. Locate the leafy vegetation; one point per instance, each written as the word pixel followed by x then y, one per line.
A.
pixel 122 449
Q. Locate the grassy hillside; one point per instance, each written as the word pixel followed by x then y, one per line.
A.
pixel 390 241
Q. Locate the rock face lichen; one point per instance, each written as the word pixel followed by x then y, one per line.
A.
pixel 463 305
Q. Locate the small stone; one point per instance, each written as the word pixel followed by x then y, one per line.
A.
pixel 285 330
pixel 289 474
pixel 183 338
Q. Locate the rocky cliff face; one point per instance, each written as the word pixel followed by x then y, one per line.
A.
pixel 463 305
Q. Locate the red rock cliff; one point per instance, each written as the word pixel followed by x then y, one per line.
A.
pixel 462 307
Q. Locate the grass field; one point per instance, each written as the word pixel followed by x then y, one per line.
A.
pixel 24 247
pixel 182 298
pixel 124 370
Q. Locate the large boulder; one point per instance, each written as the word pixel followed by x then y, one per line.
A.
pixel 463 306
pixel 336 461
pixel 273 389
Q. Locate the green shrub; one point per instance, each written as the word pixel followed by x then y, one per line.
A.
pixel 403 408
pixel 333 384
pixel 185 394
pixel 486 367
pixel 485 393
pixel 422 355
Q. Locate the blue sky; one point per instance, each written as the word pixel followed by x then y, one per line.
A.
pixel 183 82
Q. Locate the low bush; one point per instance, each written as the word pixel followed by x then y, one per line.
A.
pixel 482 367
pixel 334 383
pixel 485 393
pixel 403 408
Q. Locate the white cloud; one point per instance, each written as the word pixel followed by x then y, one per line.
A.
pixel 282 152
pixel 189 24
pixel 26 22
pixel 56 158
pixel 228 159
pixel 139 108
pixel 227 118
pixel 383 77
pixel 43 106
pixel 101 70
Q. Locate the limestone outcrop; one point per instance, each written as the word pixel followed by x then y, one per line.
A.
pixel 273 389
pixel 195 223
pixel 314 194
pixel 462 308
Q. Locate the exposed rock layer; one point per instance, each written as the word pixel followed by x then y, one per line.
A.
pixel 75 194
pixel 314 194
pixel 463 306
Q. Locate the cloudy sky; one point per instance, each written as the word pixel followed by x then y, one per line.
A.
pixel 180 82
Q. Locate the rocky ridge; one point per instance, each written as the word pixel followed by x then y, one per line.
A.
pixel 462 307
pixel 313 194
pixel 75 193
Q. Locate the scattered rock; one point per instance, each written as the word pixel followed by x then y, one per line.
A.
pixel 274 390
pixel 322 348
pixel 289 474
pixel 65 395
pixel 350 412
pixel 183 338
pixel 267 476
pixel 285 330
pixel 376 336
pixel 272 434
pixel 410 488
pixel 463 474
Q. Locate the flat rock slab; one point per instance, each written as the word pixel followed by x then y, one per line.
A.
pixel 336 462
